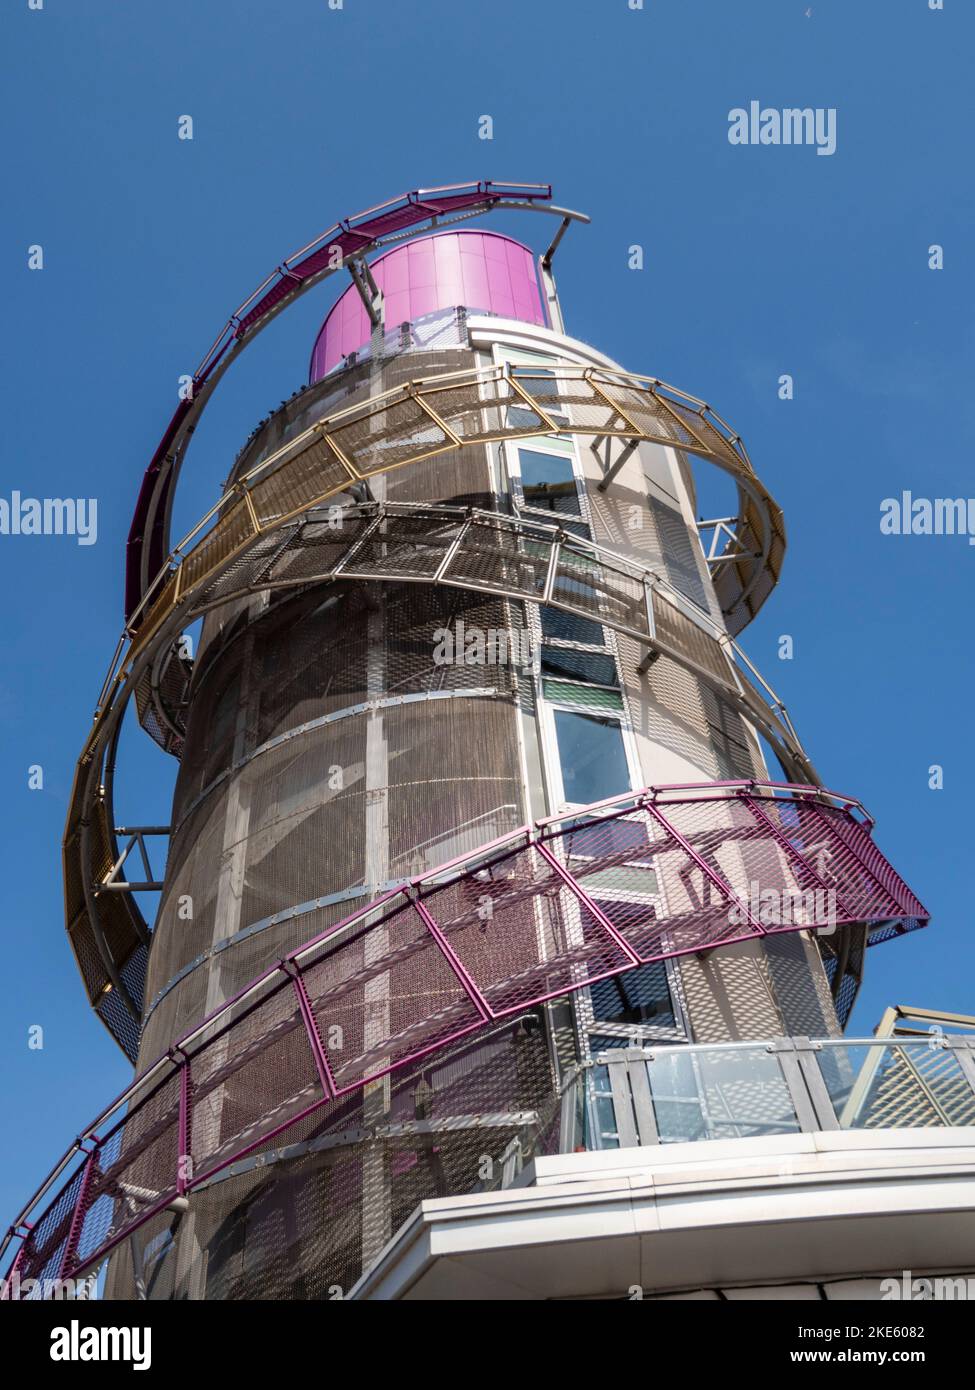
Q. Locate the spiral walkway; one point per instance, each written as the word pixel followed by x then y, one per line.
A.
pixel 541 912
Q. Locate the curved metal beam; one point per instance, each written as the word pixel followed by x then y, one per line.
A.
pixel 463 971
pixel 420 420
pixel 657 616
pixel 398 219
pixel 424 419
pixel 435 415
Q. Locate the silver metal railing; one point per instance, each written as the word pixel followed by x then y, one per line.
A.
pixel 634 1096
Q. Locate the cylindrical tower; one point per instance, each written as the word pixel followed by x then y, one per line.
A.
pixel 472 780
pixel 340 738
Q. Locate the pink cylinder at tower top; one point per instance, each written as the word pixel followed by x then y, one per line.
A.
pixel 482 271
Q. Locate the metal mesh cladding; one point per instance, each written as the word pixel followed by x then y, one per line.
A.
pixel 309 658
pixel 302 1218
pixel 440 961
pixel 303 721
pixel 434 416
pixel 515 557
pixel 918 1086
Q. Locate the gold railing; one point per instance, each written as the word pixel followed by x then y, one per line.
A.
pixel 409 424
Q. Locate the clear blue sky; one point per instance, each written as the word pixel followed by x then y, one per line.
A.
pixel 759 261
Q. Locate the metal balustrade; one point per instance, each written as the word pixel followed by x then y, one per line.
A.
pixel 436 415
pixel 538 914
pixel 231 547
pixel 634 1096
pixel 421 420
pixel 516 556
pixel 412 214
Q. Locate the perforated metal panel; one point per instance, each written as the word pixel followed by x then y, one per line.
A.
pixel 327 755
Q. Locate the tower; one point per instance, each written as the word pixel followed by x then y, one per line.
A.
pixel 474 808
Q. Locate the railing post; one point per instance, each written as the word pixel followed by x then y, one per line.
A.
pixel 646 1120
pixel 596 912
pixel 569 1115
pixel 184 1158
pixel 809 1053
pixel 618 1072
pixel 465 979
pixel 77 1218
pixel 963 1047
pixel 311 1031
pixel 794 1076
pixel 511 1162
pixel 13 1273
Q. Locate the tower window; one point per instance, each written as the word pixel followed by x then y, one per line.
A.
pixel 591 756
pixel 548 482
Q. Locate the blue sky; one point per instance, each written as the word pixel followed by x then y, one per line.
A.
pixel 759 261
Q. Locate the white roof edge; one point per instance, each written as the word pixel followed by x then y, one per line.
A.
pixel 745 1211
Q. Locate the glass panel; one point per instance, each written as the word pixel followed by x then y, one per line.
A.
pixel 522 417
pixel 911 1085
pixel 548 482
pixel 579 589
pixel 580 666
pixel 566 523
pixel 602 837
pixel 639 996
pixel 535 378
pixel 566 627
pixel 565 693
pixel 591 755
pixel 604 1042
pixel 572 1136
pixel 518 357
pixel 719 1093
pixel 579 565
pixel 543 386
pixel 601 1131
pixel 626 878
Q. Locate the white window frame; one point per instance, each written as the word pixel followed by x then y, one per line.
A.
pixel 511 484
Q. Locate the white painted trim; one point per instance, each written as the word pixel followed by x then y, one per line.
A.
pixel 789 1208
pixel 485 331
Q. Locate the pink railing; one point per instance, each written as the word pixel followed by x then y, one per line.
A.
pixel 540 913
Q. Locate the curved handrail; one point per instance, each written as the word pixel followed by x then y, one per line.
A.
pixel 408 215
pixel 464 945
pixel 531 530
pixel 339 451
pixel 638 603
pixel 420 420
